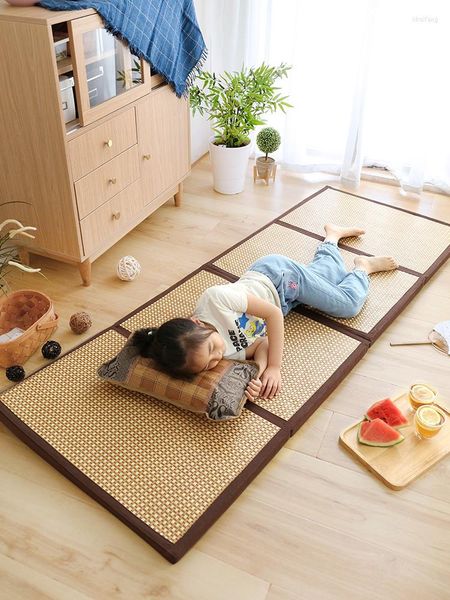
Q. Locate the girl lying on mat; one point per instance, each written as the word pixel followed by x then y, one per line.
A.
pixel 244 320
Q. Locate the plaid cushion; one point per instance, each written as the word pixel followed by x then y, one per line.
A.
pixel 218 393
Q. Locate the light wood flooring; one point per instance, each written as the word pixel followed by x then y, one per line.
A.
pixel 314 524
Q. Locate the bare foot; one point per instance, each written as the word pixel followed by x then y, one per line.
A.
pixel 335 232
pixel 373 264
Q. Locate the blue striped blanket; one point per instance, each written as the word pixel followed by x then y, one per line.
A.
pixel 164 32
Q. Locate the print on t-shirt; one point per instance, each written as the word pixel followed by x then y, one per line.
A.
pixel 248 329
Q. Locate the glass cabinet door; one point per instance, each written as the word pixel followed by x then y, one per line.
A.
pixel 107 74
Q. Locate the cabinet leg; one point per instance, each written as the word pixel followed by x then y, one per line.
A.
pixel 24 256
pixel 85 271
pixel 179 195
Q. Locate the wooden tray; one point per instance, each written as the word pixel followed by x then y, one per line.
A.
pixel 398 465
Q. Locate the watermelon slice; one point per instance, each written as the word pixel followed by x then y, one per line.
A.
pixel 388 412
pixel 378 433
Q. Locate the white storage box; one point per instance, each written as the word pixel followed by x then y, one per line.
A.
pixel 67 98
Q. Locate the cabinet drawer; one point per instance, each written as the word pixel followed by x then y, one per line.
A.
pixel 102 143
pixel 107 181
pixel 105 224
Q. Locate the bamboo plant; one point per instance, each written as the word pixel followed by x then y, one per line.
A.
pixel 236 102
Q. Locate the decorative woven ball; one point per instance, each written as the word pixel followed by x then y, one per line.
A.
pixel 80 322
pixel 128 268
pixel 15 373
pixel 51 349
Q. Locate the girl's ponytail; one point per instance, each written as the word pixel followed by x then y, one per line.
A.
pixel 144 339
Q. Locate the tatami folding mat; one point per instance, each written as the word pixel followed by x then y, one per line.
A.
pixel 169 474
pixel 417 242
pixel 165 472
pixel 388 291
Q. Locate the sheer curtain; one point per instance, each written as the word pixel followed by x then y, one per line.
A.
pixel 369 80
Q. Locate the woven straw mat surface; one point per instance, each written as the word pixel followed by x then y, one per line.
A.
pixel 180 302
pixel 413 241
pixel 312 353
pixel 165 465
pixel 386 288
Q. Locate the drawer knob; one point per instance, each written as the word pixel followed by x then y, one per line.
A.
pixel 147 156
pixel 116 215
pixel 108 143
pixel 112 180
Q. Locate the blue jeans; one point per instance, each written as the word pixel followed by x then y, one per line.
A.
pixel 324 284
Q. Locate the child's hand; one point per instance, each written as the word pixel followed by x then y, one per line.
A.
pixel 253 389
pixel 271 382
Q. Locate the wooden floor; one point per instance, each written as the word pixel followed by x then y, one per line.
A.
pixel 314 524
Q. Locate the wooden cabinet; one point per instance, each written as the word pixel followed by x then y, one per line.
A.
pixel 83 174
pixel 161 141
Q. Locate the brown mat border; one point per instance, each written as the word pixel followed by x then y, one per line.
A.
pixel 171 551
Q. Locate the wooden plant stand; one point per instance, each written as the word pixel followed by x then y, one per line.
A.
pixel 270 172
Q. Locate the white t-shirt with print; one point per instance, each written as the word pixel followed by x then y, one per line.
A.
pixel 224 307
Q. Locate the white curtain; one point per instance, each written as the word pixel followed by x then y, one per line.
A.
pixel 369 83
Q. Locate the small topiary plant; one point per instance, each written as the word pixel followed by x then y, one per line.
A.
pixel 268 140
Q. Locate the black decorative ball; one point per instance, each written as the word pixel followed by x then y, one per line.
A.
pixel 51 349
pixel 15 373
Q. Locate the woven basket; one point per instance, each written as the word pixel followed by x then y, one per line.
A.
pixel 31 311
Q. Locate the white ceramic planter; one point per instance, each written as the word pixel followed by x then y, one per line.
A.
pixel 229 167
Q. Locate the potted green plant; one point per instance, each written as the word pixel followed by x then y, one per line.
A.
pixel 235 103
pixel 267 140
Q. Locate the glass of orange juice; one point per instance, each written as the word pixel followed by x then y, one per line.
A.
pixel 421 394
pixel 428 421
